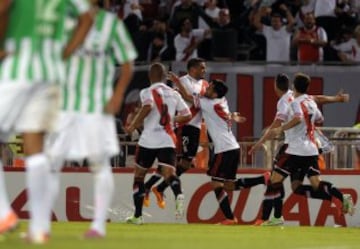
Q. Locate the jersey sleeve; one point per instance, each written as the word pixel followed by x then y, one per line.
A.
pixel 181 106
pixel 79 7
pixel 146 97
pixel 122 45
pixel 282 111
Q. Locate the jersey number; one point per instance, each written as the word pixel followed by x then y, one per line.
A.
pixel 47 15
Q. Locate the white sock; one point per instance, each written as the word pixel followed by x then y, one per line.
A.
pixel 53 187
pixel 103 192
pixel 37 175
pixel 4 201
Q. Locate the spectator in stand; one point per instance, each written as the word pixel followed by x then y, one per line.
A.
pixel 132 7
pixel 349 51
pixel 310 40
pixel 212 11
pixel 277 35
pixel 346 13
pixel 326 17
pixel 307 6
pixel 161 44
pixel 190 10
pixel 187 41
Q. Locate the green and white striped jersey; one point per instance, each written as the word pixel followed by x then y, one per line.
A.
pixel 90 71
pixel 34 40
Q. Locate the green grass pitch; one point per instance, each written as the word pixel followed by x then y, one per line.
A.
pixel 192 236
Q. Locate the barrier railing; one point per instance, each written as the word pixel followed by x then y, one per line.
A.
pixel 345 155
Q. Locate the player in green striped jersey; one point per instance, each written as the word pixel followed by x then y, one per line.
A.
pixel 32 40
pixel 86 128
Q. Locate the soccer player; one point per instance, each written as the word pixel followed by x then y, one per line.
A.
pixel 188 133
pixel 33 49
pixel 218 119
pixel 275 191
pixel 86 128
pixel 158 140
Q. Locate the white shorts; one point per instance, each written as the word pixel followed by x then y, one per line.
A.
pixel 79 136
pixel 27 107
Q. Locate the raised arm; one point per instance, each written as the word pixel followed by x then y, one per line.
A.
pixel 182 90
pixel 340 97
pixel 289 17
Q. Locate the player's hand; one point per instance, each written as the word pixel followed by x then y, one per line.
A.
pixel 129 129
pixel 173 77
pixel 275 132
pixel 113 105
pixel 343 97
pixel 254 148
pixel 237 117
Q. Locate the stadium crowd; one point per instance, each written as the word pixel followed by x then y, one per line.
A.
pixel 311 30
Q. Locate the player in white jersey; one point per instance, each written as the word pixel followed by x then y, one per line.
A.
pixel 160 104
pixel 32 38
pixel 273 196
pixel 86 128
pixel 188 134
pixel 286 163
pixel 218 119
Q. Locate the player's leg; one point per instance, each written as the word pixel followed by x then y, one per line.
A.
pixel 36 119
pixel 247 182
pixel 189 138
pixel 274 193
pixel 8 218
pixel 167 160
pixel 223 169
pixel 148 186
pixel 144 159
pixel 103 193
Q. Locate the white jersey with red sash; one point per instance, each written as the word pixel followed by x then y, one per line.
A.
pixel 216 115
pixel 196 88
pixel 159 124
pixel 301 138
pixel 283 110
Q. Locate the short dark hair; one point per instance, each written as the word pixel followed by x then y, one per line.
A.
pixel 194 62
pixel 282 82
pixel 301 82
pixel 219 87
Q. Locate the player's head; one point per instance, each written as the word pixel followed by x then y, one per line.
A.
pixel 196 68
pixel 301 83
pixel 281 84
pixel 157 73
pixel 216 89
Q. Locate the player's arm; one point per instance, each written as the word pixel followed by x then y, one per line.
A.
pixel 84 24
pixel 126 73
pixel 296 119
pixel 340 97
pixel 182 118
pixel 236 116
pixel 182 90
pixel 4 17
pixel 267 135
pixel 183 112
pixel 139 118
